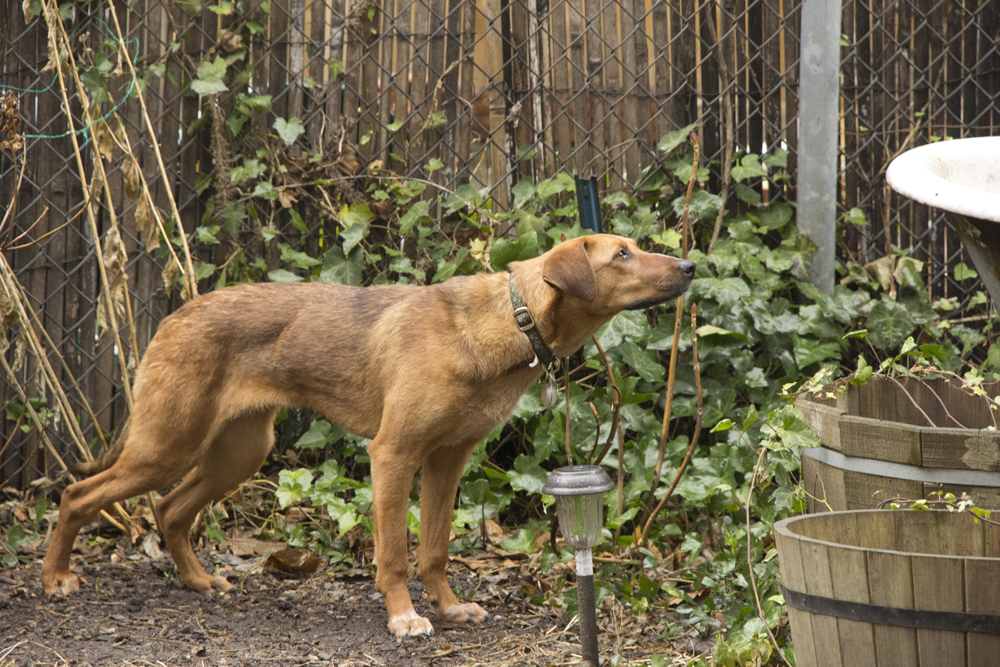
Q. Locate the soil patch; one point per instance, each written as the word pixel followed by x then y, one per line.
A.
pixel 137 613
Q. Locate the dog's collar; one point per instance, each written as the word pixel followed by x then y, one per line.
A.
pixel 526 323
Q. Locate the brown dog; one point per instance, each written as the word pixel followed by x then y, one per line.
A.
pixel 426 372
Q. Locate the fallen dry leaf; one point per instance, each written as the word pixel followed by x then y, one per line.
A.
pixel 151 546
pixel 295 561
pixel 248 546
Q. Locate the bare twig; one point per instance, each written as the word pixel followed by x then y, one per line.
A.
pixel 56 29
pixel 8 216
pixel 958 507
pixel 569 450
pixel 672 371
pixel 694 437
pixel 189 279
pixel 40 426
pixel 616 406
pixel 944 406
pixel 912 400
pixel 727 112
pixel 757 469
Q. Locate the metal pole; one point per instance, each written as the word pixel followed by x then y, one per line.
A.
pixel 585 602
pixel 819 97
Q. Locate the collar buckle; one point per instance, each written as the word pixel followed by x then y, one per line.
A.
pixel 521 315
pixel 526 323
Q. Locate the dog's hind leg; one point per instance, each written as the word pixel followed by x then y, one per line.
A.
pixel 235 454
pixel 438 484
pixel 145 464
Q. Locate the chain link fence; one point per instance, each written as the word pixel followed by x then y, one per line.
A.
pixel 448 92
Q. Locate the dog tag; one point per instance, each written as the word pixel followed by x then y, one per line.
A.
pixel 550 392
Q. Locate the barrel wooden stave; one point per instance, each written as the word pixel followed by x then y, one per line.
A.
pixel 881 423
pixel 936 561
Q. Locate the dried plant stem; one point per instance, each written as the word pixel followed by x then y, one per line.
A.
pixel 616 405
pixel 679 315
pixel 569 450
pixel 757 469
pixel 55 452
pixel 10 286
pixel 26 304
pixel 161 228
pixel 943 405
pixel 8 216
pixel 912 400
pixel 56 28
pixel 694 438
pixel 716 35
pixel 188 266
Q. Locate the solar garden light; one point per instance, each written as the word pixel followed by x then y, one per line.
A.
pixel 579 492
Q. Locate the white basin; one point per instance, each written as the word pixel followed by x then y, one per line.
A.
pixel 961 177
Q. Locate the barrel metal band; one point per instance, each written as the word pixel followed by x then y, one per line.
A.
pixel 902 470
pixel 922 619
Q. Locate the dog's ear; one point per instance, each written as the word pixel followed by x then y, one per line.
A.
pixel 568 269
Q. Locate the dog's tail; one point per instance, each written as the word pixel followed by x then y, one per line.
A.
pixel 89 468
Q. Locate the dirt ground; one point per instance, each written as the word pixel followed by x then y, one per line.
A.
pixel 135 612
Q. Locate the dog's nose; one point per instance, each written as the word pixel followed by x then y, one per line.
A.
pixel 687 267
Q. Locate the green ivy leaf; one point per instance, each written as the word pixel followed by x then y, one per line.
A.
pixel 642 362
pixel 672 140
pixel 527 475
pixel 749 167
pixel 283 276
pixel 296 258
pixel 889 324
pixel 786 429
pixel 561 182
pixel 355 218
pixel 96 86
pixel 203 270
pixel 856 217
pixel 208 80
pixel 725 291
pixel 704 206
pixel 293 485
pixel 808 351
pixel 523 541
pixel 669 238
pixel 628 325
pixel 319 435
pixel 297 221
pixel 963 272
pixel 417 212
pixel 862 373
pixel 776 217
pixel 747 194
pixel 344 513
pixel 289 130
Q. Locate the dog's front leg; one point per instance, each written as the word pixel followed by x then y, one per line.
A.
pixel 392 475
pixel 438 484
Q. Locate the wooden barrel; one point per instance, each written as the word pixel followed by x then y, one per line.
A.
pixel 891 587
pixel 908 439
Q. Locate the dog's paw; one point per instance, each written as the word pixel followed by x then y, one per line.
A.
pixel 463 613
pixel 206 583
pixel 410 625
pixel 221 584
pixel 63 583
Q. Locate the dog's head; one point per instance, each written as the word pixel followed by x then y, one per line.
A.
pixel 611 273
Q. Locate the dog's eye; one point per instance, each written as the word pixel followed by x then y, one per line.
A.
pixel 622 254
